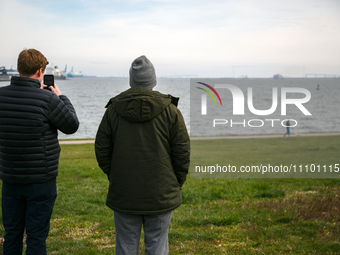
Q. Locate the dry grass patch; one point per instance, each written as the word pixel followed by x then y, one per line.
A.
pixel 85 230
pixel 310 205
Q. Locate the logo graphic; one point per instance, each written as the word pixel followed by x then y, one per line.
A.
pixel 213 90
pixel 204 97
pixel 239 99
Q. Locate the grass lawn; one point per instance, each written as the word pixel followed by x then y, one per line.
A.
pixel 218 215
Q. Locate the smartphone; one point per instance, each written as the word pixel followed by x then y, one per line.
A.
pixel 49 80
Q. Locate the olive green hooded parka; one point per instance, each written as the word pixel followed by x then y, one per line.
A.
pixel 143 146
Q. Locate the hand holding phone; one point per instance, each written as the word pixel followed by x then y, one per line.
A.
pixel 55 89
pixel 49 80
pixel 49 84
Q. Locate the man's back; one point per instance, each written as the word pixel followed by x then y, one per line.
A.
pixel 146 129
pixel 29 117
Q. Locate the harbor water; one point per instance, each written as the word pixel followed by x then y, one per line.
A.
pixel 90 95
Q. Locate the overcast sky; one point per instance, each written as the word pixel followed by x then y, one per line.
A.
pixel 202 38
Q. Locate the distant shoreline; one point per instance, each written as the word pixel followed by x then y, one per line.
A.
pixel 197 77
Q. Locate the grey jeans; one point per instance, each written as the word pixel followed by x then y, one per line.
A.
pixel 128 228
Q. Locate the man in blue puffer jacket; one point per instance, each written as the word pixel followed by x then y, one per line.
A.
pixel 29 152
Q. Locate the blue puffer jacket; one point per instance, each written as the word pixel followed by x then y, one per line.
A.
pixel 29 120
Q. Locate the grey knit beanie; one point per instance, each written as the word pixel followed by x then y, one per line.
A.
pixel 142 73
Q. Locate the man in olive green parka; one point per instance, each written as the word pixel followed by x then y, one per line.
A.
pixel 143 146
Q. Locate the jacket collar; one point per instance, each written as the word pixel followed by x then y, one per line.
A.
pixel 25 81
pixel 139 91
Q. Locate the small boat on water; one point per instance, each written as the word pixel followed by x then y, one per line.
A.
pixel 6 74
pixel 74 75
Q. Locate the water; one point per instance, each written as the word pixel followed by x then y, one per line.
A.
pixel 90 95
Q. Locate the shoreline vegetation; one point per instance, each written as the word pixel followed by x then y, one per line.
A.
pixel 218 215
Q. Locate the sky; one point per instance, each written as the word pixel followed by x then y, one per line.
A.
pixel 181 38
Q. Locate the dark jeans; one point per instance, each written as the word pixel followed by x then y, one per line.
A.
pixel 288 132
pixel 27 206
